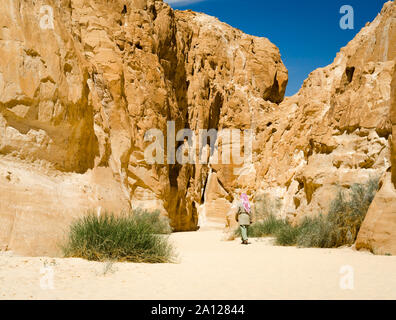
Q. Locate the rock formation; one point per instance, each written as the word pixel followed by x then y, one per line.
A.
pixel 82 81
pixel 378 232
pixel 336 130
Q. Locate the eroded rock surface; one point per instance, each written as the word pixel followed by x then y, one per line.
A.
pixel 81 81
pixel 377 233
pixel 336 130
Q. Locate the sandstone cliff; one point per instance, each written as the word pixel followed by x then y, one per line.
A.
pixel 77 97
pixel 336 131
pixel 81 81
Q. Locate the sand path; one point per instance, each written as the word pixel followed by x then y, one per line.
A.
pixel 209 268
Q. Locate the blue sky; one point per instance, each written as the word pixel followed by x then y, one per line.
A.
pixel 307 32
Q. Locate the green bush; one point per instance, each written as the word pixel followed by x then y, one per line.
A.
pixel 287 235
pixel 346 214
pixel 128 237
pixel 266 227
pixel 315 232
pixel 159 224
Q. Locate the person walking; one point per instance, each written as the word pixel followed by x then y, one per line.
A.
pixel 244 217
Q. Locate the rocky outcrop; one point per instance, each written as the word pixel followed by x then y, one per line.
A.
pixel 81 82
pixel 336 130
pixel 45 112
pixel 377 233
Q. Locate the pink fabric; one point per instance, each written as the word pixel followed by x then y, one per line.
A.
pixel 245 202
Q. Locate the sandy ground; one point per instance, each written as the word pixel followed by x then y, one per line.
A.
pixel 208 268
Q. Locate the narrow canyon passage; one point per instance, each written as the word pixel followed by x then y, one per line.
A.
pixel 207 268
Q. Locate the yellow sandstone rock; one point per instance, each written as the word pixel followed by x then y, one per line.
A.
pixel 82 81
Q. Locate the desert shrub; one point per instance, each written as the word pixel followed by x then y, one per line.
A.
pixel 266 227
pixel 287 235
pixel 347 212
pixel 159 224
pixel 126 237
pixel 315 232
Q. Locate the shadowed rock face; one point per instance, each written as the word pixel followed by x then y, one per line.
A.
pixel 78 95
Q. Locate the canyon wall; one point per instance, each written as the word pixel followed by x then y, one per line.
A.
pixel 335 132
pixel 82 81
pixel 378 232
